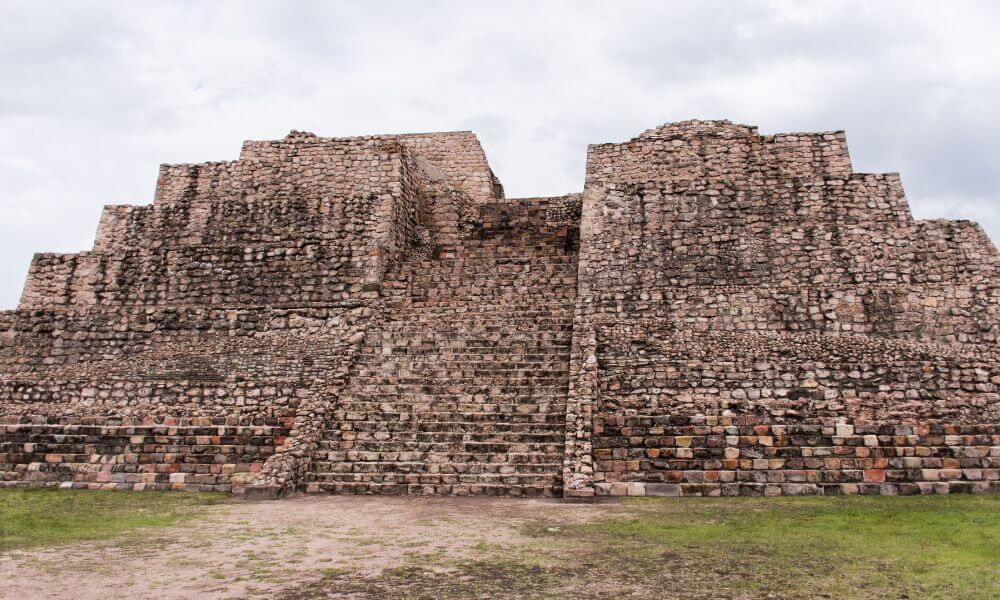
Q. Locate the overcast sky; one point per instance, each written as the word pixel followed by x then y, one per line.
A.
pixel 95 95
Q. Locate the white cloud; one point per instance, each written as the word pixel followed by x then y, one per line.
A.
pixel 96 95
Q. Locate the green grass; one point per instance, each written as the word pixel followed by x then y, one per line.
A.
pixel 851 547
pixel 41 517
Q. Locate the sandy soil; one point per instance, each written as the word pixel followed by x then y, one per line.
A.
pixel 256 549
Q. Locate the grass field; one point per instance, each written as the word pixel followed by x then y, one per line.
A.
pixel 848 547
pixel 42 517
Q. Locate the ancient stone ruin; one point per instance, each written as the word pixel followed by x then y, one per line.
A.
pixel 718 313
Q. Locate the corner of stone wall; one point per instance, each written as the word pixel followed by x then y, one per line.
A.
pixel 7 320
pixel 578 462
pixel 49 279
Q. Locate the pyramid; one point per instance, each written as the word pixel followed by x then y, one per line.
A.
pixel 719 312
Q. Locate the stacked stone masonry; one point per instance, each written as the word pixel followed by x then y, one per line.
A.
pixel 717 313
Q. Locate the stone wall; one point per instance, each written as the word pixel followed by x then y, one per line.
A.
pixel 719 312
pixel 734 285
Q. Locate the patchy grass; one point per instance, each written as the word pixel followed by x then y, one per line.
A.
pixel 851 548
pixel 855 548
pixel 466 579
pixel 45 516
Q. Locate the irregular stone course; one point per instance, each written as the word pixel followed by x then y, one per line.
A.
pixel 719 312
pixel 734 456
pixel 136 457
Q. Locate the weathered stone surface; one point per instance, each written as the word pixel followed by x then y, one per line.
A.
pixel 718 313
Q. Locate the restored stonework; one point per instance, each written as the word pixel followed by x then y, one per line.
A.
pixel 718 313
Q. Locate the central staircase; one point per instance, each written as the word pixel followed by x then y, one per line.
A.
pixel 463 391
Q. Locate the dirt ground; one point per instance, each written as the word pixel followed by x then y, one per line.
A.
pixel 280 548
pixel 438 548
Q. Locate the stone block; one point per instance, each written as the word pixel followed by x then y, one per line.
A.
pixel 663 489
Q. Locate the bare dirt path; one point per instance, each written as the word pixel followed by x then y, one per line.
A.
pixel 263 549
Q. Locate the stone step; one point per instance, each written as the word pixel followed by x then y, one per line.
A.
pixel 468 270
pixel 489 314
pixel 460 324
pixel 399 414
pixel 467 395
pixel 455 427
pixel 460 350
pixel 435 452
pixel 541 287
pixel 501 401
pixel 552 353
pixel 428 377
pixel 383 407
pixel 388 458
pixel 484 335
pixel 548 469
pixel 486 268
pixel 429 365
pixel 399 436
pixel 512 306
pixel 461 489
pixel 478 251
pixel 451 304
pixel 498 449
pixel 439 381
pixel 409 371
pixel 510 340
pixel 478 324
pixel 496 241
pixel 495 288
pixel 429 381
pixel 493 314
pixel 420 299
pixel 452 344
pixel 549 289
pixel 448 379
pixel 370 444
pixel 479 416
pixel 469 420
pixel 432 361
pixel 528 479
pixel 496 337
pixel 455 352
pixel 543 284
pixel 361 460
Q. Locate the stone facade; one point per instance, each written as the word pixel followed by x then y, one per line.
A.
pixel 718 313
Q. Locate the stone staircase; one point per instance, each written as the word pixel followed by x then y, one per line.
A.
pixel 463 390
